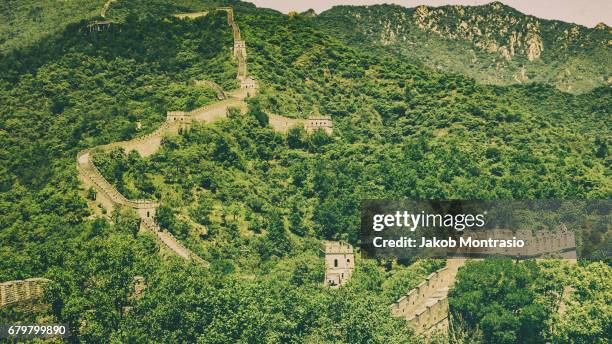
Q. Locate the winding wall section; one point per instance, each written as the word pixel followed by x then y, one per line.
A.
pixel 426 307
pixel 109 197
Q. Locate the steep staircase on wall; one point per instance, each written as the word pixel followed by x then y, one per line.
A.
pixel 109 197
pixel 425 308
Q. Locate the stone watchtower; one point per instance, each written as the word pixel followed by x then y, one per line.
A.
pixel 248 83
pixel 319 122
pixel 240 48
pixel 339 263
pixel 177 116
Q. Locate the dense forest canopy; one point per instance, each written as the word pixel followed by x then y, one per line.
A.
pixel 256 203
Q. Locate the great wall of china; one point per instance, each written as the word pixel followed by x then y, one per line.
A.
pixel 426 309
pixel 13 292
pixel 108 197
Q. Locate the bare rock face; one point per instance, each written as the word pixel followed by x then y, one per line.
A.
pixel 505 53
pixel 495 31
pixel 420 16
pixel 489 42
pixel 521 76
pixel 534 43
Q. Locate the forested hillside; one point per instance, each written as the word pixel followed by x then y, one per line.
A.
pixel 492 43
pixel 256 203
pixel 25 22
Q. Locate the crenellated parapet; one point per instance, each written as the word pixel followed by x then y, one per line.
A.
pixel 191 15
pixel 13 292
pixel 425 308
pixel 177 116
pixel 537 244
pixel 240 48
pixel 433 317
pixel 324 123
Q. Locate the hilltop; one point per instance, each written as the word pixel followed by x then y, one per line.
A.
pixel 492 43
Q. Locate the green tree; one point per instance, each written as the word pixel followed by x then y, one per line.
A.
pixel 277 241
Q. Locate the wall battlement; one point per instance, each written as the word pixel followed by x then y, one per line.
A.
pixel 13 292
pixel 314 123
pixel 537 244
pixel 191 15
pixel 177 116
pixel 425 307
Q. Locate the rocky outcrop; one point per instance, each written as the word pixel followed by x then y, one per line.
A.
pixel 495 31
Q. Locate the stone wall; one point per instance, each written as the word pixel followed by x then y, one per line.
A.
pixel 191 15
pixel 283 124
pixel 13 292
pixel 432 318
pixel 213 85
pixel 537 244
pixel 108 196
pixel 425 307
pixel 319 122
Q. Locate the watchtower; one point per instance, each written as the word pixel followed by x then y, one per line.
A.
pixel 240 48
pixel 99 25
pixel 339 263
pixel 319 122
pixel 248 83
pixel 177 116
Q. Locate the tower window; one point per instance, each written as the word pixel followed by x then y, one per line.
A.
pixel 335 263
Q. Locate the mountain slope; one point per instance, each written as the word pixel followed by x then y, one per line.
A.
pixel 492 43
pixel 25 22
pixel 266 199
